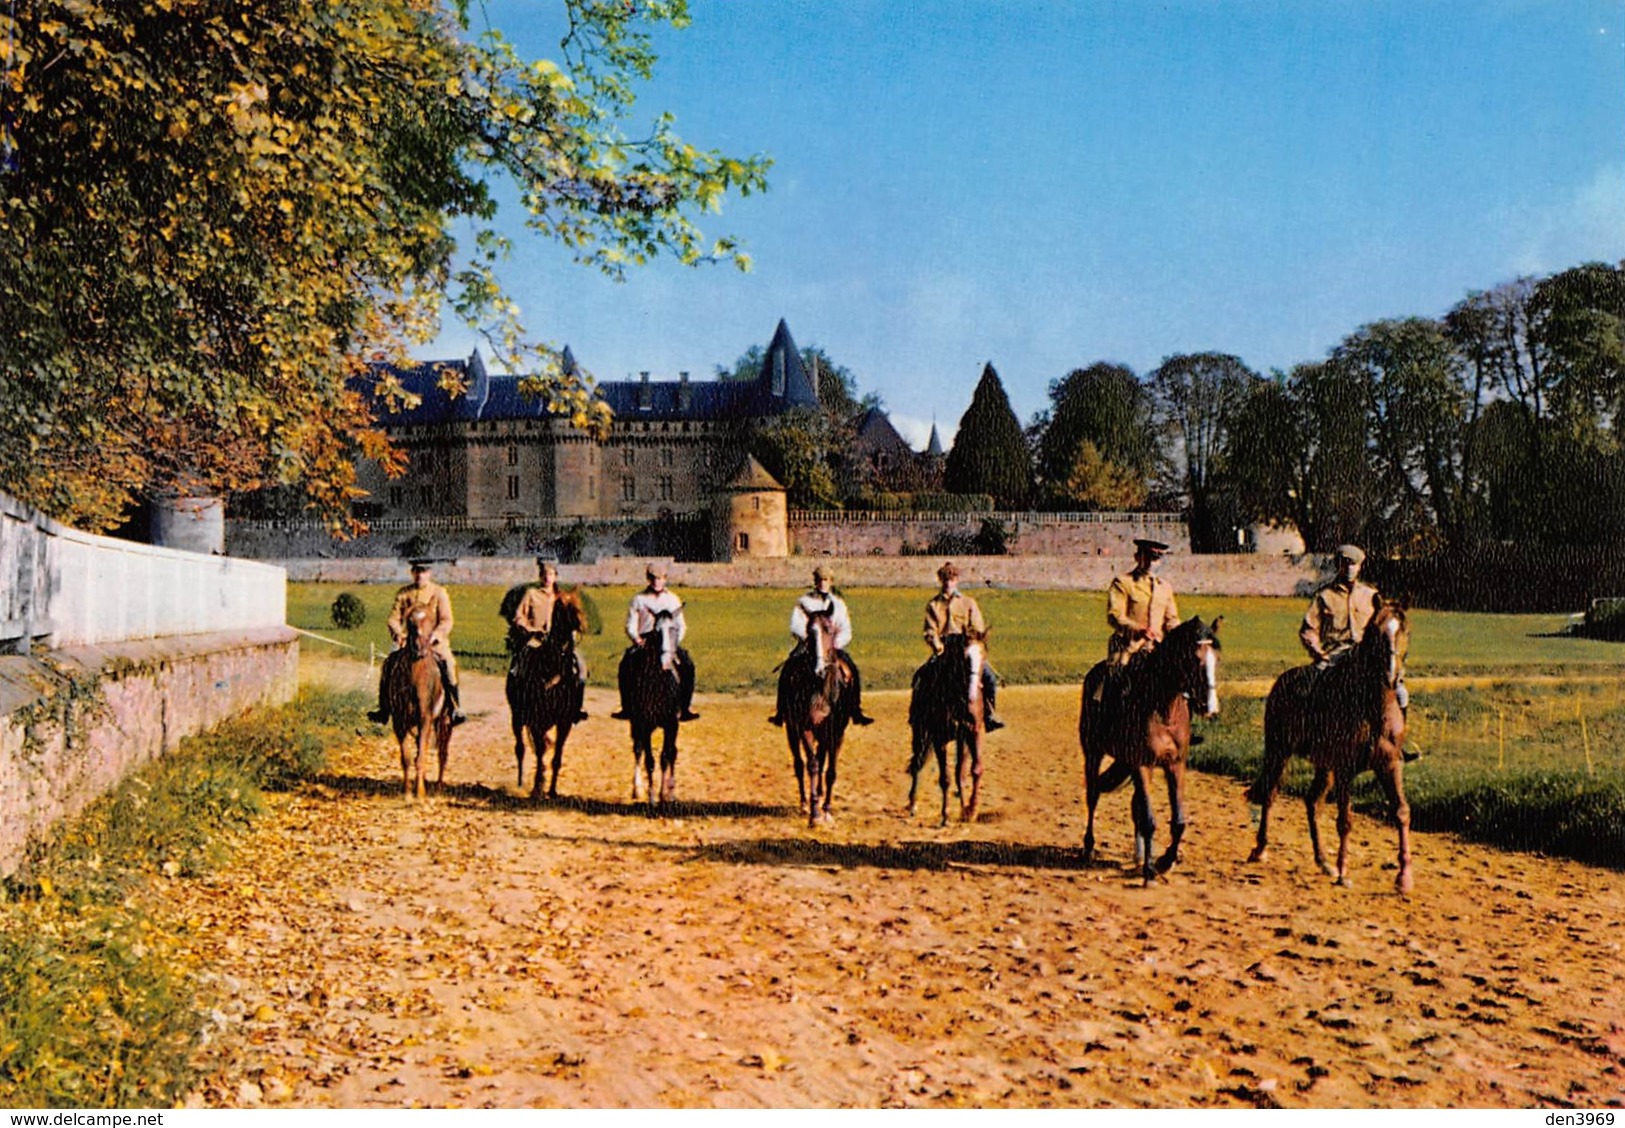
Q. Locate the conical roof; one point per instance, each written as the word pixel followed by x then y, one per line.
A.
pixel 934 447
pixel 752 476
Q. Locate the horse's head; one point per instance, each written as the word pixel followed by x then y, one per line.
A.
pixel 568 619
pixel 417 632
pixel 1388 635
pixel 663 637
pixel 821 638
pixel 1193 647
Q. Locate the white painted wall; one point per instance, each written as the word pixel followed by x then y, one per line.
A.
pixel 64 587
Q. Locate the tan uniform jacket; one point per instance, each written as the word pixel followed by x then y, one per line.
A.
pixel 534 615
pixel 950 615
pixel 1137 602
pixel 1337 617
pixel 434 597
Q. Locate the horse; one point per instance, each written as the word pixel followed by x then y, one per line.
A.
pixel 1144 723
pixel 1344 720
pixel 947 707
pixel 418 702
pixel 817 712
pixel 542 699
pixel 652 706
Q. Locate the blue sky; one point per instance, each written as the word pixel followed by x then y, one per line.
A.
pixel 1045 185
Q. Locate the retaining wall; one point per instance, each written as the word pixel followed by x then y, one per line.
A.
pixel 75 721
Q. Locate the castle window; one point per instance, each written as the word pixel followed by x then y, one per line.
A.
pixel 665 456
pixel 513 487
pixel 513 456
pixel 628 456
pixel 629 488
pixel 741 542
pixel 592 487
pixel 756 504
pixel 668 488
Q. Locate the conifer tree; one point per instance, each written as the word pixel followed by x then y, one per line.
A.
pixel 990 453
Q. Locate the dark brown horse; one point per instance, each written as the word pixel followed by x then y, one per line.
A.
pixel 815 689
pixel 1344 720
pixel 543 698
pixel 947 708
pixel 653 707
pixel 1143 722
pixel 418 703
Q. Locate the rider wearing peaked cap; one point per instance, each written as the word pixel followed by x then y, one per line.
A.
pixel 821 600
pixel 1140 605
pixel 640 620
pixel 421 592
pixel 952 612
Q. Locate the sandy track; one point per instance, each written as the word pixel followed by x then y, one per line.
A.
pixel 477 950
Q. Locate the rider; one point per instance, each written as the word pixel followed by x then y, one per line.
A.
pixel 533 620
pixel 1140 605
pixel 818 601
pixel 421 592
pixel 640 620
pixel 951 612
pixel 1337 618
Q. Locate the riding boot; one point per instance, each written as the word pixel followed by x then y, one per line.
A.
pixel 1403 696
pixel 990 693
pixel 685 682
pixel 454 697
pixel 778 707
pixel 859 717
pixel 623 678
pixel 380 715
pixel 580 695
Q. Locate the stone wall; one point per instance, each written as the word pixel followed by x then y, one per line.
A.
pixel 1028 534
pixel 75 721
pixel 1205 575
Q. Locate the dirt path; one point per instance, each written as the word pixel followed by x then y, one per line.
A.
pixel 475 950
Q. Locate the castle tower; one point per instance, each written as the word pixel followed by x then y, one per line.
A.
pixel 750 516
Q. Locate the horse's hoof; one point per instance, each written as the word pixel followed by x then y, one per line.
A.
pixel 1342 881
pixel 1403 883
pixel 1258 855
pixel 1149 873
pixel 1166 862
pixel 913 810
pixel 1328 869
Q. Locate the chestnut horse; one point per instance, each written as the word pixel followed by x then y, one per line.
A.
pixel 947 707
pixel 418 702
pixel 1344 719
pixel 817 711
pixel 652 706
pixel 543 697
pixel 1144 723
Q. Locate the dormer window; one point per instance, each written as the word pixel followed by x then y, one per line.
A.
pixel 778 372
pixel 645 394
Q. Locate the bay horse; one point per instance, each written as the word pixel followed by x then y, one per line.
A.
pixel 418 703
pixel 946 707
pixel 652 706
pixel 1144 723
pixel 815 685
pixel 1344 719
pixel 543 696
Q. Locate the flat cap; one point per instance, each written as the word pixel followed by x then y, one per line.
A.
pixel 1351 552
pixel 948 571
pixel 655 568
pixel 824 572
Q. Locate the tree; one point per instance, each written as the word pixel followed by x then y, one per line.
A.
pixel 990 452
pixel 1104 405
pixel 215 216
pixel 1197 396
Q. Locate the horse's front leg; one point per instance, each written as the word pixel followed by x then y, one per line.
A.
pixel 815 778
pixel 971 748
pixel 916 761
pixel 561 734
pixel 668 765
pixel 1091 797
pixel 940 744
pixel 793 738
pixel 1265 788
pixel 442 732
pixel 1391 777
pixel 830 758
pixel 406 766
pixel 1145 823
pixel 519 753
pixel 418 764
pixel 1175 775
pixel 541 739
pixel 1343 790
pixel 1317 791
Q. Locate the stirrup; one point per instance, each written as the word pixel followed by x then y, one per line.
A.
pixel 991 723
pixel 862 719
pixel 777 720
pixel 1197 738
pixel 378 716
pixel 620 715
pixel 688 715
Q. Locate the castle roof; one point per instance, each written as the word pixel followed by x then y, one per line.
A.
pixel 933 449
pixel 752 476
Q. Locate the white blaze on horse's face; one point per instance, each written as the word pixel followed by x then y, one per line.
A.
pixel 815 635
pixel 1210 675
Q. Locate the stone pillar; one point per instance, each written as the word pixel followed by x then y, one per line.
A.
pixel 192 524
